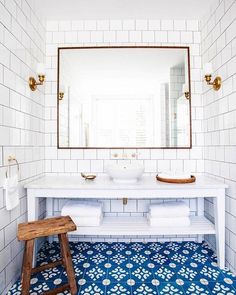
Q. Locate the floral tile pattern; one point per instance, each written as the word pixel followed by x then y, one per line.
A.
pixel 174 268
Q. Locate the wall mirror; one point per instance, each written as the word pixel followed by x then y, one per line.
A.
pixel 124 97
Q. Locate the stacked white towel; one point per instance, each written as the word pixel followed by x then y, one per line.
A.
pixel 169 214
pixel 84 213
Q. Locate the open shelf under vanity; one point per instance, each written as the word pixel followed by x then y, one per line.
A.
pixel 138 226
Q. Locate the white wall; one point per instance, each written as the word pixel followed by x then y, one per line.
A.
pixel 125 32
pixel 22 112
pixel 219 46
pixel 122 32
pixel 22 45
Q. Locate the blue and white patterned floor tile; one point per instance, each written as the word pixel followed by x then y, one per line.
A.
pixel 196 288
pixel 172 268
pixel 92 288
pixel 166 273
pixel 144 289
pixel 118 289
pixel 170 289
pixel 120 273
pixel 221 288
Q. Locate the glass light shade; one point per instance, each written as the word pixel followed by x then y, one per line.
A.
pixel 62 88
pixel 208 70
pixel 185 88
pixel 40 69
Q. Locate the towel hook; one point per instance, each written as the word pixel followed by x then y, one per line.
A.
pixel 11 159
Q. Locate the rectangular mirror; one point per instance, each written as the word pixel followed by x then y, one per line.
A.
pixel 124 97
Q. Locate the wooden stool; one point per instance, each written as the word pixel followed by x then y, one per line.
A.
pixel 47 227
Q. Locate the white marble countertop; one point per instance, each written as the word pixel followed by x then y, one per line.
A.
pixel 104 182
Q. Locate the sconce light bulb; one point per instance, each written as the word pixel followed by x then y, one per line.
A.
pixel 185 88
pixel 62 88
pixel 208 70
pixel 40 69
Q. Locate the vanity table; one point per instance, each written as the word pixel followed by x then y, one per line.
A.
pixel 70 187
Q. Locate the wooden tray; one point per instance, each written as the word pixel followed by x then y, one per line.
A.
pixel 172 180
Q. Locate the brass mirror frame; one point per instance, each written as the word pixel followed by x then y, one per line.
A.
pixel 115 47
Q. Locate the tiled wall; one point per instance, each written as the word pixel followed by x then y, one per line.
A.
pixel 164 105
pixel 22 45
pixel 22 112
pixel 219 47
pixel 125 32
pixel 122 32
pixel 177 79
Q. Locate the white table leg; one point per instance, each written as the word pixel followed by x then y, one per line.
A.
pixel 200 212
pixel 220 227
pixel 49 208
pixel 33 204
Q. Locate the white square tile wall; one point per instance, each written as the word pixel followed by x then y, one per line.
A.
pixel 28 120
pixel 122 32
pixel 22 45
pixel 218 31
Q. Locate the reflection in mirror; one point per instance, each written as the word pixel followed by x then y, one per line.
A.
pixel 124 97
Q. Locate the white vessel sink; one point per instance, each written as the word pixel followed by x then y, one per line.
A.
pixel 125 173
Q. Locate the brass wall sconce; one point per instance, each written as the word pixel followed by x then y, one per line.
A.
pixel 217 82
pixel 186 91
pixel 125 201
pixel 61 92
pixel 61 95
pixel 187 94
pixel 41 76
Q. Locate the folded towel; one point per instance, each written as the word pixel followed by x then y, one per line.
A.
pixel 11 192
pixel 169 222
pixel 169 209
pixel 174 175
pixel 87 221
pixel 82 208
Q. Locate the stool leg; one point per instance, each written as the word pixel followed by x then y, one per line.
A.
pixel 66 256
pixel 27 266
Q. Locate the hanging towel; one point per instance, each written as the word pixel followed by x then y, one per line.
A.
pixel 169 209
pixel 82 208
pixel 87 221
pixel 169 222
pixel 11 192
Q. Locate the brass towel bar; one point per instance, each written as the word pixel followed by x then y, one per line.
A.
pixel 11 159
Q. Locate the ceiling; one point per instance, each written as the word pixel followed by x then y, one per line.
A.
pixel 123 9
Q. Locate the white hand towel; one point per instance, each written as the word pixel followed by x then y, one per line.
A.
pixel 12 192
pixel 82 208
pixel 169 222
pixel 169 209
pixel 87 221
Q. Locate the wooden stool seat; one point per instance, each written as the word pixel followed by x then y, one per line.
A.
pixel 52 226
pixel 45 227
